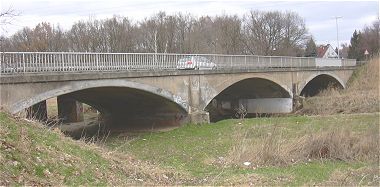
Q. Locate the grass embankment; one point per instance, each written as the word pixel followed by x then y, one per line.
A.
pixel 31 154
pixel 294 150
pixel 360 96
pixel 299 150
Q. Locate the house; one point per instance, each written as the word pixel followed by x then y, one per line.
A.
pixel 326 51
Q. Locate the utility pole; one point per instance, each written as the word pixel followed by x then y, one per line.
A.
pixel 337 31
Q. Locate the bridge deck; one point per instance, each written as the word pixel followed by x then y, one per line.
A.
pixel 72 76
pixel 53 62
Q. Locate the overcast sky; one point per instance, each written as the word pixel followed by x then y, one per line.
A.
pixel 318 15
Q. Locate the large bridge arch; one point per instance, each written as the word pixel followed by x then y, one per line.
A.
pixel 88 84
pixel 319 81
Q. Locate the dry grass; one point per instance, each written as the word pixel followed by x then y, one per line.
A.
pixel 31 154
pixel 276 149
pixel 361 96
pixel 368 176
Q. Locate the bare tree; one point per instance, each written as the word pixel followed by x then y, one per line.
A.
pixel 370 38
pixel 294 35
pixel 183 28
pixel 228 34
pixel 7 16
pixel 273 33
pixel 262 33
pixel 43 37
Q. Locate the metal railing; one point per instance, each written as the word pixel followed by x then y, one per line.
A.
pixel 40 62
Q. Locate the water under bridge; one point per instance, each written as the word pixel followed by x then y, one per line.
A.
pixel 151 89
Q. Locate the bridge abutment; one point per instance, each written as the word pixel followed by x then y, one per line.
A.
pixel 37 111
pixel 69 110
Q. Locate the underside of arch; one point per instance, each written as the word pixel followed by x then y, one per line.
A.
pixel 319 83
pixel 132 108
pixel 83 85
pixel 123 104
pixel 248 94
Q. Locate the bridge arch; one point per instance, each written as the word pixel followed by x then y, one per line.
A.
pixel 230 82
pixel 248 91
pixel 319 81
pixel 89 84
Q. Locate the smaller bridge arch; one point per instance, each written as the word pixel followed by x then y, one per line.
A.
pixel 257 94
pixel 320 81
pixel 224 84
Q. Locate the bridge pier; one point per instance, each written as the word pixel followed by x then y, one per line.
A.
pixel 37 111
pixel 196 115
pixel 69 110
pixel 199 117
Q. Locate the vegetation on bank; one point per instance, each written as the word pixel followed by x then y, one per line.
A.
pixel 360 96
pixel 294 150
pixel 31 154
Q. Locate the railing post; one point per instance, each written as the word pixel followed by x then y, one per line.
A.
pixel 63 63
pixel 258 63
pixel 245 61
pixel 127 61
pixel 1 62
pixel 231 62
pixel 23 62
pixel 270 62
pixel 300 62
pixel 97 62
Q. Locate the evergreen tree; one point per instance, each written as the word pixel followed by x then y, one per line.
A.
pixel 354 50
pixel 311 48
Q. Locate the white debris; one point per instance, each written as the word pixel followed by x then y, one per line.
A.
pixel 15 163
pixel 166 177
pixel 247 163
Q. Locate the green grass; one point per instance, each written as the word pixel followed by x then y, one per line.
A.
pixel 190 155
pixel 193 149
pixel 31 154
pixel 38 152
pixel 307 173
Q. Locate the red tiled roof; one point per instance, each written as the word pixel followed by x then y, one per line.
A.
pixel 322 50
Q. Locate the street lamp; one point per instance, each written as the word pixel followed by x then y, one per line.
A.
pixel 337 31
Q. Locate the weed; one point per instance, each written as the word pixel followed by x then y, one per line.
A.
pixel 276 149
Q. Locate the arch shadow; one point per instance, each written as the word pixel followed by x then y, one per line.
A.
pixel 318 82
pixel 253 89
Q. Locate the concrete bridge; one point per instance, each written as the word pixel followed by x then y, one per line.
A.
pixel 151 90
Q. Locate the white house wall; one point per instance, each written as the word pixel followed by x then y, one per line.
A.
pixel 330 53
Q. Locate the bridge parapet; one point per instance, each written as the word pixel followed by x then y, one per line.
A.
pixel 55 62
